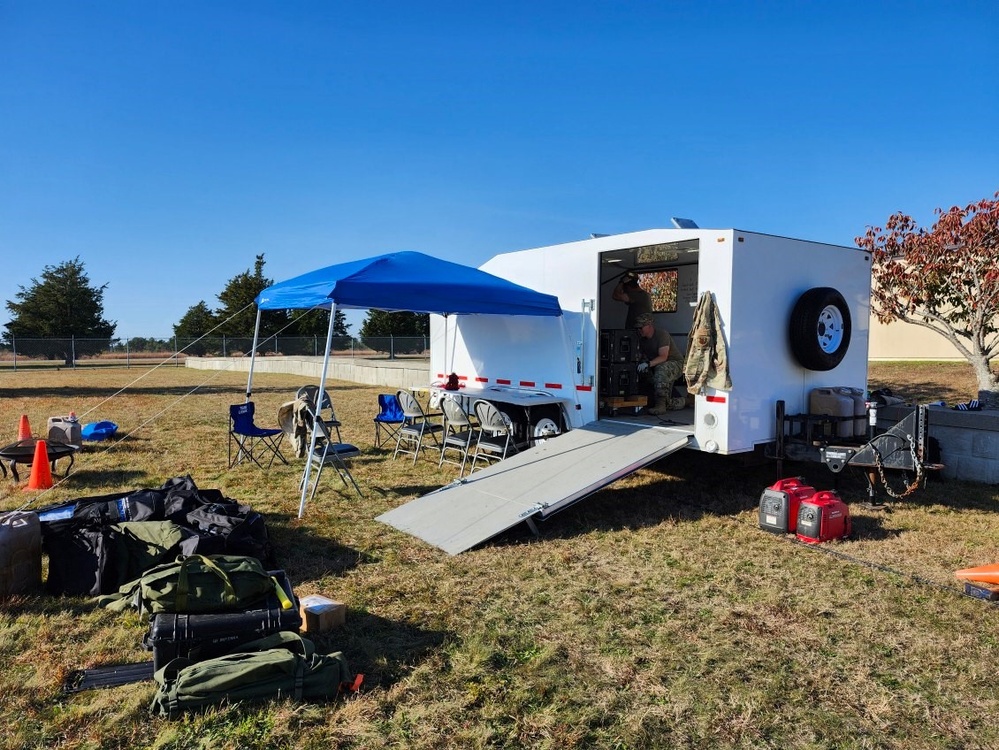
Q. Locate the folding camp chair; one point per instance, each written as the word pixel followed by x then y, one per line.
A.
pixel 495 441
pixel 252 442
pixel 388 418
pixel 459 433
pixel 331 453
pixel 415 428
pixel 310 393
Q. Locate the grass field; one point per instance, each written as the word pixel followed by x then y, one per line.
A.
pixel 654 614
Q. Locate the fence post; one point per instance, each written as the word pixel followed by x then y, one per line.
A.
pixel 176 351
pixel 391 346
pixel 72 349
pixel 315 345
pixel 13 346
pixel 128 361
pixel 276 348
pixel 223 345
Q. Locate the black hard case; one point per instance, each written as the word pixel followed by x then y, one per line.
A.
pixel 205 636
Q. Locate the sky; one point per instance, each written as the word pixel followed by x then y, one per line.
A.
pixel 167 144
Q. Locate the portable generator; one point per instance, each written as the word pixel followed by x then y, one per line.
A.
pixel 779 504
pixel 822 517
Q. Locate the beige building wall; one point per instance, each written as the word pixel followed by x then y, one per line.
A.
pixel 907 341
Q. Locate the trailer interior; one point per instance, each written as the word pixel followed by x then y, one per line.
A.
pixel 668 271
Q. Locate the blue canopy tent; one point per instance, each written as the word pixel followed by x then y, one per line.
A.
pixel 395 282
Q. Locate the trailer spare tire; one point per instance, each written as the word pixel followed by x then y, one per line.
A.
pixel 819 329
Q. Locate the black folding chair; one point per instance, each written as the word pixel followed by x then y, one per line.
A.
pixel 247 441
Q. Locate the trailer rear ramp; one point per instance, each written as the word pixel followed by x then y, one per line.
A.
pixel 534 483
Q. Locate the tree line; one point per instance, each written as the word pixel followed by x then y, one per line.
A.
pixel 63 303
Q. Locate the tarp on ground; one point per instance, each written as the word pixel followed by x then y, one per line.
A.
pixel 407 281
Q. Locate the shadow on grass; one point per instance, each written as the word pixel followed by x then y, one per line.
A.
pixel 307 556
pixel 384 651
pixel 687 487
pixel 87 479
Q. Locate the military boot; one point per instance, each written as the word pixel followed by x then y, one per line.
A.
pixel 662 405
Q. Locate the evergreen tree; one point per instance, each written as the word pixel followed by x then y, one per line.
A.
pixel 238 313
pixel 316 323
pixel 381 323
pixel 64 305
pixel 398 332
pixel 198 321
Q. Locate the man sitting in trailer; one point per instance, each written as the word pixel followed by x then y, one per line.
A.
pixel 665 359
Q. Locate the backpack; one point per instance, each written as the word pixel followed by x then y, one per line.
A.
pixel 88 556
pixel 195 584
pixel 282 665
pixel 86 545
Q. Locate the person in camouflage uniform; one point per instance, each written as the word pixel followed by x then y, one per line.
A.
pixel 665 359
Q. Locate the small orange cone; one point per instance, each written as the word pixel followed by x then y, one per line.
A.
pixel 982 574
pixel 41 474
pixel 24 429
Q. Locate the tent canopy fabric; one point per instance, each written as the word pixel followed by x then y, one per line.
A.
pixel 407 281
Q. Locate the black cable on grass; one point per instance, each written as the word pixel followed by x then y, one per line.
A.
pixel 130 433
pixel 885 569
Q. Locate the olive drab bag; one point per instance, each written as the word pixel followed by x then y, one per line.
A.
pixel 195 584
pixel 282 665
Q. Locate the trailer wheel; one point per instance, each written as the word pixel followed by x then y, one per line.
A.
pixel 819 329
pixel 545 428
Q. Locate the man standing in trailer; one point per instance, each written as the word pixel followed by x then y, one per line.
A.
pixel 631 293
pixel 666 361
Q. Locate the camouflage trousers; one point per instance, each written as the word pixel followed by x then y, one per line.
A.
pixel 664 376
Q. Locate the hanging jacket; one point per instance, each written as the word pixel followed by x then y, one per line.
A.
pixel 707 360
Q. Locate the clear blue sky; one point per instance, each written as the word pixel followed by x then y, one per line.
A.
pixel 168 143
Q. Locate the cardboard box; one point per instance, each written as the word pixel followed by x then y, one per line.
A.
pixel 320 614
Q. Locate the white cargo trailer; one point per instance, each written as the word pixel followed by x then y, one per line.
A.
pixel 794 317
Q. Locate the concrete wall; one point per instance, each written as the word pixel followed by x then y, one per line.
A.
pixel 969 440
pixel 392 373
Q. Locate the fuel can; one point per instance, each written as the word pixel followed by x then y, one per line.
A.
pixel 779 504
pixel 822 517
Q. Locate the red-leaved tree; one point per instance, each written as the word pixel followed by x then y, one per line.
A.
pixel 945 278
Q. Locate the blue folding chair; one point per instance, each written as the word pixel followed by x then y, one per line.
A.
pixel 388 419
pixel 249 442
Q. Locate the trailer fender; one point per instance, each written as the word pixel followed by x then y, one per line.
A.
pixel 819 329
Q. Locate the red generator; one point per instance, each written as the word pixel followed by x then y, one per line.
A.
pixel 822 517
pixel 779 504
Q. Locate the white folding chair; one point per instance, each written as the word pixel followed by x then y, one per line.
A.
pixel 331 453
pixel 415 428
pixel 459 433
pixel 495 440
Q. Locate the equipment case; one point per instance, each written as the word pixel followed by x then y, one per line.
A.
pixel 205 636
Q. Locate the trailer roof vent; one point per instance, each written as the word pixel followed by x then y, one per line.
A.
pixel 683 223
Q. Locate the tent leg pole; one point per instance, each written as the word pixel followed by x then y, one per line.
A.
pixel 533 527
pixel 319 398
pixel 253 358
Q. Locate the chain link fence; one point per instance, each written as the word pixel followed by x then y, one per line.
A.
pixel 145 352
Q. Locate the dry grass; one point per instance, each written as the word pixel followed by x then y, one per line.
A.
pixel 654 614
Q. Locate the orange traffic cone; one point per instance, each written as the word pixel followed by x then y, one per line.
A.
pixel 981 574
pixel 24 429
pixel 41 474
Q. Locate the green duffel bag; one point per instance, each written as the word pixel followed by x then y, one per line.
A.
pixel 282 665
pixel 194 584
